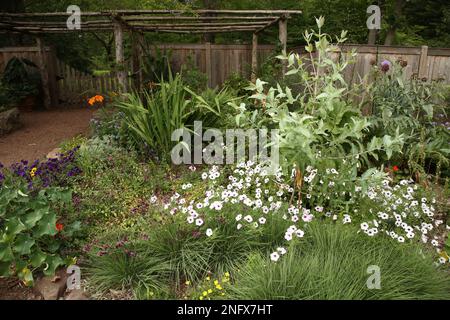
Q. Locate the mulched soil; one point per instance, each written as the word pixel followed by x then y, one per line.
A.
pixel 43 131
pixel 13 289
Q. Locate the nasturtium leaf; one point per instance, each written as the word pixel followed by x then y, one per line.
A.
pixel 6 253
pixel 46 226
pixel 63 195
pixel 53 262
pixel 14 226
pixel 5 269
pixel 74 227
pixel 23 244
pixel 34 216
pixel 53 246
pixel 37 258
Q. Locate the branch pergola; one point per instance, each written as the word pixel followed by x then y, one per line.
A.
pixel 140 21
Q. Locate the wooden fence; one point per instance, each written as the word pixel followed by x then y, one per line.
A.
pixel 220 61
pixel 33 54
pixel 423 62
pixel 217 61
pixel 70 86
pixel 76 87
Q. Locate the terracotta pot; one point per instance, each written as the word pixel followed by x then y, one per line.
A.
pixel 27 104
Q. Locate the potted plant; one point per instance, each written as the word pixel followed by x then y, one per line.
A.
pixel 24 82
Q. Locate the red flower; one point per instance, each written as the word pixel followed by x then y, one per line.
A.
pixel 395 168
pixel 59 227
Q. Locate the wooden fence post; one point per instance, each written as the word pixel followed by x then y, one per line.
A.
pixel 254 57
pixel 55 92
pixel 282 28
pixel 208 63
pixel 120 57
pixel 44 72
pixel 137 65
pixel 423 62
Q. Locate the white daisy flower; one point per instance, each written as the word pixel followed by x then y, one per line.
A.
pixel 274 256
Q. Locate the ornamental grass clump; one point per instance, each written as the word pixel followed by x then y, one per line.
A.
pixel 332 262
pixel 125 268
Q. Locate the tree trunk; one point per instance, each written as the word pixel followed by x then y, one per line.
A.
pixel 210 5
pixel 372 38
pixel 392 31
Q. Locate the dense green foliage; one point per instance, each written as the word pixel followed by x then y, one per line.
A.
pixel 35 220
pixel 415 109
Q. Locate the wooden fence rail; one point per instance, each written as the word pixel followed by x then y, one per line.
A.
pixel 76 87
pixel 68 86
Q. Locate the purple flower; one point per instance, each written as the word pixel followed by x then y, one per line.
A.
pixel 385 66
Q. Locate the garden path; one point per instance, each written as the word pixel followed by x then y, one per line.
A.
pixel 42 131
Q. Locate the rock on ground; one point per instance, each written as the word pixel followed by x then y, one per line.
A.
pixel 76 294
pixel 52 288
pixel 9 121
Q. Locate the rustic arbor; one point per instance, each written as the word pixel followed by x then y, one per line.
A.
pixel 140 21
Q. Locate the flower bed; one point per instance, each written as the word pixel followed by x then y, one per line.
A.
pixel 349 195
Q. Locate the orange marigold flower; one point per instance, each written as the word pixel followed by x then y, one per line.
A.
pixel 96 98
